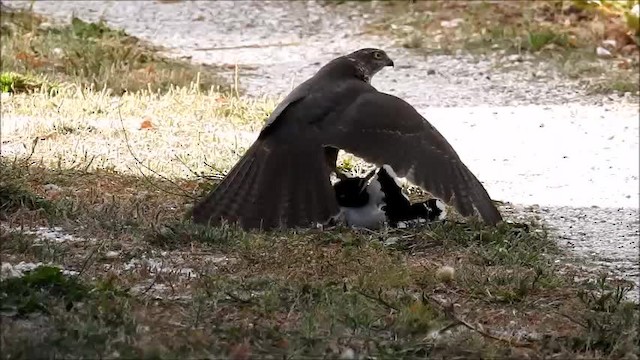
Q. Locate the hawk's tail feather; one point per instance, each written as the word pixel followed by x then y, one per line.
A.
pixel 480 199
pixel 271 187
pixel 308 195
pixel 485 206
pixel 223 201
pixel 466 196
pixel 295 191
pixel 461 202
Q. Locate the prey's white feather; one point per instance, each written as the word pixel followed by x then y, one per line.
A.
pixel 371 215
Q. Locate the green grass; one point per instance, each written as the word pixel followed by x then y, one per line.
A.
pixel 29 294
pixel 16 197
pixel 11 82
pixel 91 55
pixel 49 313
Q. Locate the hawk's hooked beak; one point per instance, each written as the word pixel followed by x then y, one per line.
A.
pixel 390 63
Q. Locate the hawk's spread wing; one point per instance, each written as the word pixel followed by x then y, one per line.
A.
pixel 283 178
pixel 384 129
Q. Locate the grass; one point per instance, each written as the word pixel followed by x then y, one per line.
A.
pixel 92 129
pixel 90 55
pixel 180 289
pixel 11 82
pixel 561 33
pixel 141 281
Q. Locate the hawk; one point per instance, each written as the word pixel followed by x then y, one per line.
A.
pixel 283 179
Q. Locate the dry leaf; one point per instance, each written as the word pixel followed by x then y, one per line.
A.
pixel 151 69
pixel 282 343
pixel 629 49
pixel 624 64
pixel 240 352
pixel 49 136
pixel 146 124
pixel 618 33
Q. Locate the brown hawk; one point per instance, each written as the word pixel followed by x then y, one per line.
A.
pixel 283 179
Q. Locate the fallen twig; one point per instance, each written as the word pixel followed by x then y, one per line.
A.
pixel 239 299
pixel 93 252
pixel 378 298
pixel 448 310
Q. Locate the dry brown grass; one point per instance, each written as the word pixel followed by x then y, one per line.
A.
pixel 184 290
pixel 558 32
pixel 181 133
pixel 92 55
pixel 175 133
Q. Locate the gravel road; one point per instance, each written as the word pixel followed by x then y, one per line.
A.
pixel 533 137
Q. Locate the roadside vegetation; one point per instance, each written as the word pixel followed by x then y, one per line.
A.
pixel 99 258
pixel 37 53
pixel 597 42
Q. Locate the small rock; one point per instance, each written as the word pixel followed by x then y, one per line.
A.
pixel 348 353
pixel 391 241
pixel 451 23
pixel 45 26
pixel 431 72
pixel 445 274
pixel 9 272
pixel 51 188
pixel 603 53
pixel 23 267
pixel 70 272
pixel 515 57
pixel 609 44
pixel 112 254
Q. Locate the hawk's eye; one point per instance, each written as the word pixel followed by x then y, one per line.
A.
pixel 377 55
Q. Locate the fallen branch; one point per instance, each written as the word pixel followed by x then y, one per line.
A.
pixel 449 312
pixel 239 299
pixel 378 299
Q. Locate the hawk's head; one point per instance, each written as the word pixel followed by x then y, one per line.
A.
pixel 369 61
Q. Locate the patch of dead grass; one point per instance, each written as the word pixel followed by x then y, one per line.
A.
pixel 192 291
pixel 93 55
pixel 304 293
pixel 558 32
pixel 175 133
